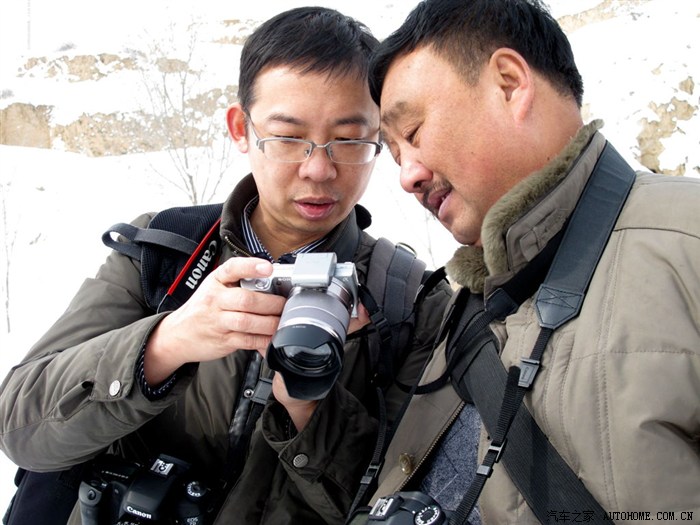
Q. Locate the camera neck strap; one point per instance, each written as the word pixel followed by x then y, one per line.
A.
pixel 544 479
pixel 385 431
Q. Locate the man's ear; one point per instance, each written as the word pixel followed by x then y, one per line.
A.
pixel 236 121
pixel 515 80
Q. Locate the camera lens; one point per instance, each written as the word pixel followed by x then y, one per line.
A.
pixel 307 348
pixel 308 359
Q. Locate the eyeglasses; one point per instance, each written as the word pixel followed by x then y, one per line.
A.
pixel 282 149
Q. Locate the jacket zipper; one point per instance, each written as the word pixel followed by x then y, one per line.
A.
pixel 237 251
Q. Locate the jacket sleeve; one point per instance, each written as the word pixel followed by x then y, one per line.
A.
pixel 75 392
pixel 327 459
pixel 646 383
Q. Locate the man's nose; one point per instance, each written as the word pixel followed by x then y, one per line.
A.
pixel 414 175
pixel 318 166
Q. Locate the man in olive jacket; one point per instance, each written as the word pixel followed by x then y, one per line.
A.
pixel 113 375
pixel 480 107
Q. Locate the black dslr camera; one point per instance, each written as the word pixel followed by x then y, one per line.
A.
pixel 407 508
pixel 117 491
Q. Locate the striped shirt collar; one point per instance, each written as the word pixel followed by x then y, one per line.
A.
pixel 256 248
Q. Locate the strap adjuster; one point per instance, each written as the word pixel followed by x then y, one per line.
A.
pixel 498 449
pixel 486 468
pixel 528 371
pixel 379 320
pixel 262 391
pixel 371 473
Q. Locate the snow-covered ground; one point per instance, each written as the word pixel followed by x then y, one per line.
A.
pixel 58 204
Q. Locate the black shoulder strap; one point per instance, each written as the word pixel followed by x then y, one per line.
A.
pixel 538 471
pixel 541 475
pixel 395 270
pixel 176 250
pixel 394 278
pixel 384 432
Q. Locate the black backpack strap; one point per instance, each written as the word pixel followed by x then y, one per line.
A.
pixel 394 278
pixel 403 276
pixel 131 239
pixel 405 281
pixel 558 300
pixel 176 239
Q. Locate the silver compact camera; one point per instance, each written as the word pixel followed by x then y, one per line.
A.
pixel 322 296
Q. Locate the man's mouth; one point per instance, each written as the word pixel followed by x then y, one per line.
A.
pixel 315 208
pixel 433 200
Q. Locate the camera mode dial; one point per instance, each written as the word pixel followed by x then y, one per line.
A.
pixel 428 516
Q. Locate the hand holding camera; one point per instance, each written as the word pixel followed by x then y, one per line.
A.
pixel 315 297
pixel 218 319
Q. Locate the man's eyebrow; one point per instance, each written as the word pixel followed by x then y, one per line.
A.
pixel 353 120
pixel 391 115
pixel 343 121
pixel 284 118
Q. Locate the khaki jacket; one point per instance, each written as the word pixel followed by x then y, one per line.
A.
pixel 618 393
pixel 75 394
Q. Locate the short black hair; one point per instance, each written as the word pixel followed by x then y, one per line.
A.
pixel 467 32
pixel 310 39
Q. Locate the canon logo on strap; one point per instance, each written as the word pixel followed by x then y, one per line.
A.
pixel 204 261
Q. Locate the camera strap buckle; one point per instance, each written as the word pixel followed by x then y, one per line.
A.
pixel 528 370
pixel 262 391
pixel 371 473
pixel 493 456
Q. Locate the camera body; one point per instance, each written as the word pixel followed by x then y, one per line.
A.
pixel 124 492
pixel 309 271
pixel 322 296
pixel 407 508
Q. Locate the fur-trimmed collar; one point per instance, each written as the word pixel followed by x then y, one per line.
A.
pixel 471 265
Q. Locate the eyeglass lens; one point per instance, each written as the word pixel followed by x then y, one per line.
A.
pixel 283 150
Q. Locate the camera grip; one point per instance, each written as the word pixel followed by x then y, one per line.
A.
pixel 90 496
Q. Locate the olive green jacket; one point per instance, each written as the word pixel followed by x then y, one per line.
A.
pixel 75 395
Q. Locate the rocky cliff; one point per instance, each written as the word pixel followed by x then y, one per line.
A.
pixel 611 35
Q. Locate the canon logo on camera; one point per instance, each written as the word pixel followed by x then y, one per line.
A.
pixel 137 512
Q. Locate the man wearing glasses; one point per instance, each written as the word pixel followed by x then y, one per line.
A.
pixel 112 375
